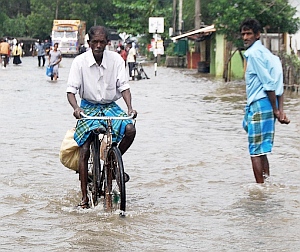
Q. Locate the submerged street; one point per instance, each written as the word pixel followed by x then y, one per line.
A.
pixel 191 189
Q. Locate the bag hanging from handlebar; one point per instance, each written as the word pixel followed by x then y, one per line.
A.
pixel 69 151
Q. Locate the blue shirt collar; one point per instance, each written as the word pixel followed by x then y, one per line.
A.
pixel 256 44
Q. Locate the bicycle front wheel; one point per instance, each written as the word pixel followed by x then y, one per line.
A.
pixel 95 184
pixel 115 192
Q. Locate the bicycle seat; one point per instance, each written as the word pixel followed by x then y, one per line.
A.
pixel 100 130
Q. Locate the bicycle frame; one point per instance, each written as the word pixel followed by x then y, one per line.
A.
pixel 108 119
pixel 105 175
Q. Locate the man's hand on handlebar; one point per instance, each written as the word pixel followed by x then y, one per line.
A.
pixel 77 112
pixel 130 112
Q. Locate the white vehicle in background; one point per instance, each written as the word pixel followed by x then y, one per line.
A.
pixel 69 34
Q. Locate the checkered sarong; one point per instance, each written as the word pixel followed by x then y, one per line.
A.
pixel 259 123
pixel 84 127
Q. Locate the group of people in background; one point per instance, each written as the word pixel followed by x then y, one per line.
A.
pixel 10 48
pixel 42 49
pixel 13 48
pixel 128 53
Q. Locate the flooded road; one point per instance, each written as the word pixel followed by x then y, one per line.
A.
pixel 192 186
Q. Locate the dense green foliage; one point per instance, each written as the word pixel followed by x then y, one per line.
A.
pixel 133 16
pixel 274 15
pixel 189 15
pixel 34 18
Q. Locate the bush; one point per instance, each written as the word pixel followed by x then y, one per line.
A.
pixel 170 51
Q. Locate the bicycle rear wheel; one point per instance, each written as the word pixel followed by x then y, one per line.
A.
pixel 115 192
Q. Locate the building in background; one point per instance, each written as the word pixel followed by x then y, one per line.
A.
pixel 294 39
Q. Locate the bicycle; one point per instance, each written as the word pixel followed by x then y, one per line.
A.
pixel 138 72
pixel 106 180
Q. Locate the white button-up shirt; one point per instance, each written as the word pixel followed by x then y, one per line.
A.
pixel 98 84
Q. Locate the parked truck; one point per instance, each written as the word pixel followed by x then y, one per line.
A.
pixel 69 34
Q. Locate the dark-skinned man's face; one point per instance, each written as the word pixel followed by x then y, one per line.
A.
pixel 98 44
pixel 249 37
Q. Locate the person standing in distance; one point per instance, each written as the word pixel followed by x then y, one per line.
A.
pixel 99 77
pixel 131 59
pixel 40 53
pixel 264 88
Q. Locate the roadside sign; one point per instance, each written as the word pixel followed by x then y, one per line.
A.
pixel 157 47
pixel 156 25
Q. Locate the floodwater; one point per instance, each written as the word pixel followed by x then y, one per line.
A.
pixel 192 186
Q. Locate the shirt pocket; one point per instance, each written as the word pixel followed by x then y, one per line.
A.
pixel 109 91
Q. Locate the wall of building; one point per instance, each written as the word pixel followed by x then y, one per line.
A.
pixel 237 66
pixel 217 63
pixel 217 50
pixel 293 40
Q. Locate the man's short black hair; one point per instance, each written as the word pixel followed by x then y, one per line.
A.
pixel 251 24
pixel 98 30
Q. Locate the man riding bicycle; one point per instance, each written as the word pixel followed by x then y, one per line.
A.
pixel 99 77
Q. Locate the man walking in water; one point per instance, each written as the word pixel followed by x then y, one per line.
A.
pixel 264 87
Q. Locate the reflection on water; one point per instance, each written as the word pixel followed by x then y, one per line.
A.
pixel 192 186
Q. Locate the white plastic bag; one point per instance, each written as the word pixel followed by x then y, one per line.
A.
pixel 69 151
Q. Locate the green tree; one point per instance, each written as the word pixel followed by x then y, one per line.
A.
pixel 39 21
pixel 13 8
pixel 12 13
pixel 188 11
pixel 132 17
pixel 272 14
pixel 15 27
pixel 123 15
pixel 38 26
pixel 40 15
pixel 3 18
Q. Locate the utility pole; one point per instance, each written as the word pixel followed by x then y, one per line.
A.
pixel 197 14
pixel 56 11
pixel 174 16
pixel 180 17
pixel 200 47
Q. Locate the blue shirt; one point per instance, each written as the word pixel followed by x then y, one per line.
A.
pixel 263 73
pixel 40 49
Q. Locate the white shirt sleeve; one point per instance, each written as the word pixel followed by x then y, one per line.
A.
pixel 74 79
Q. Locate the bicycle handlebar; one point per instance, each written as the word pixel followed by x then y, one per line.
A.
pixel 84 116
